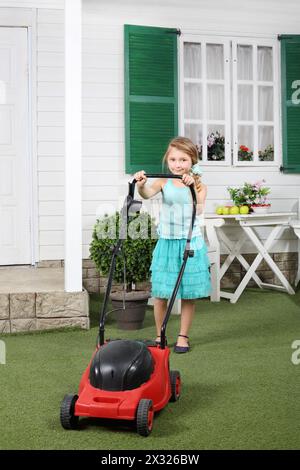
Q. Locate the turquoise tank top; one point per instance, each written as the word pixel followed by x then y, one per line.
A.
pixel 176 212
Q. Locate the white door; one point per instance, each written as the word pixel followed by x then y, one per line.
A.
pixel 14 169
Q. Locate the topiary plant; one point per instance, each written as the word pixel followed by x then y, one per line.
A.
pixel 137 247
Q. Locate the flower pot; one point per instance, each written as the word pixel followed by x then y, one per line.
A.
pixel 132 317
pixel 260 208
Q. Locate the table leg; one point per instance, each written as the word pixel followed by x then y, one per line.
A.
pixel 263 254
pixel 234 250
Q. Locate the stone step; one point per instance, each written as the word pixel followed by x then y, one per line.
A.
pixel 33 311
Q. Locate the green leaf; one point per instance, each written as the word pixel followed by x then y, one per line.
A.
pixel 137 249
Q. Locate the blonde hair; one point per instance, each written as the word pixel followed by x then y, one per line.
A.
pixel 185 145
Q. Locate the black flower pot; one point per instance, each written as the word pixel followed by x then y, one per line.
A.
pixel 132 318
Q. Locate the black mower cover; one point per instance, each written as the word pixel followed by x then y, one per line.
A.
pixel 121 365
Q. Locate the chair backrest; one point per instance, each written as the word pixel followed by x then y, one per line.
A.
pixel 209 233
pixel 212 255
pixel 295 223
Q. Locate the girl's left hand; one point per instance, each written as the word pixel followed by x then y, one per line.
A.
pixel 187 179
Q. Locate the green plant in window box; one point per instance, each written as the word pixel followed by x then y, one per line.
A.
pixel 266 155
pixel 215 147
pixel 244 154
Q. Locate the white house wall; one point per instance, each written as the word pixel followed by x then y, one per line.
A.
pixel 103 124
pixel 50 132
pixel 103 84
pixel 33 4
pixel 104 180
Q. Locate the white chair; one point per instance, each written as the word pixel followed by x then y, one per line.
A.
pixel 213 246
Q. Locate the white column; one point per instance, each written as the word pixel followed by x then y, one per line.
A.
pixel 73 228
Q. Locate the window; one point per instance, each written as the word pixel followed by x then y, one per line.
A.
pixel 229 99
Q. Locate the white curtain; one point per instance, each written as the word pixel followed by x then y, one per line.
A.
pixel 194 91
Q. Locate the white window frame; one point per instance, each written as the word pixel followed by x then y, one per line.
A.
pixel 230 82
pixel 204 40
pixel 255 43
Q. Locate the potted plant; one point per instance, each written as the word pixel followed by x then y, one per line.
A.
pixel 253 195
pixel 266 155
pixel 215 147
pixel 245 154
pixel 135 258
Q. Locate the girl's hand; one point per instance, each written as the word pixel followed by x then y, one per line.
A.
pixel 188 180
pixel 141 178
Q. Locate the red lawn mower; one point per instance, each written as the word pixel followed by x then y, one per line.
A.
pixel 128 380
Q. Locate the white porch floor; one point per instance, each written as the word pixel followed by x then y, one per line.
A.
pixel 17 279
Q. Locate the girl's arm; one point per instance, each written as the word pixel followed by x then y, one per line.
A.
pixel 147 191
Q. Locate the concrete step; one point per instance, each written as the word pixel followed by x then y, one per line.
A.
pixel 23 279
pixel 33 299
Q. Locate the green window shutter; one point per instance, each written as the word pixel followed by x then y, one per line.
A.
pixel 290 79
pixel 151 95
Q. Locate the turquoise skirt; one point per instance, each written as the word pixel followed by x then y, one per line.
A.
pixel 166 263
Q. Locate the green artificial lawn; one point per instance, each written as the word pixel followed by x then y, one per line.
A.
pixel 240 388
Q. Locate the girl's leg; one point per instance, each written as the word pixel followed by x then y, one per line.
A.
pixel 160 308
pixel 187 315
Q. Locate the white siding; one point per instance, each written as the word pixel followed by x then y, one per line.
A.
pixel 103 84
pixel 46 18
pixel 33 4
pixel 230 16
pixel 50 132
pixel 104 180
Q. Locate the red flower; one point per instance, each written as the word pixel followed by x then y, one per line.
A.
pixel 243 148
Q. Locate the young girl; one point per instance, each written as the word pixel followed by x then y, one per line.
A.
pixel 175 217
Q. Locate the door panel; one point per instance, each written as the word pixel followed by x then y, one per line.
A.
pixel 14 168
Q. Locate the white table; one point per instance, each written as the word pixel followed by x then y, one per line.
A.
pixel 278 221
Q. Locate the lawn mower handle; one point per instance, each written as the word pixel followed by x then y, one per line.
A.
pixel 187 251
pixel 118 247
